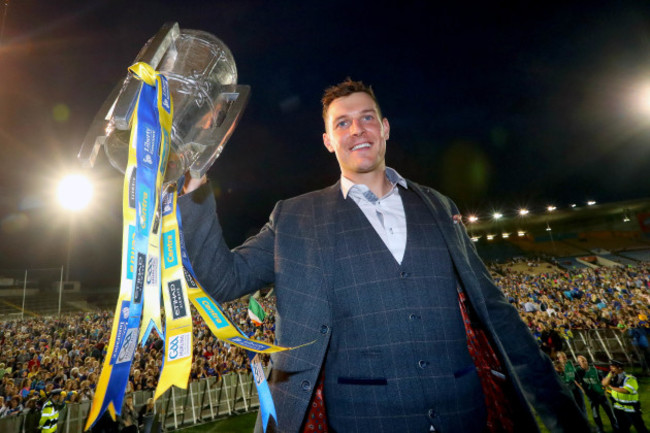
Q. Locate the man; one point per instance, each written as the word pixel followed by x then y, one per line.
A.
pixel 50 412
pixel 370 270
pixel 590 380
pixel 567 372
pixel 625 395
pixel 128 419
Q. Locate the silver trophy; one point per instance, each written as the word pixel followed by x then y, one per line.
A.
pixel 208 103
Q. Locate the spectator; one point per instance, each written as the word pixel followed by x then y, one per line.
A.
pixel 128 420
pixel 590 381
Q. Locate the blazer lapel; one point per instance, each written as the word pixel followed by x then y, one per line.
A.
pixel 452 231
pixel 324 209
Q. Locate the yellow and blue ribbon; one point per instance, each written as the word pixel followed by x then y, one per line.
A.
pixel 153 256
pixel 140 200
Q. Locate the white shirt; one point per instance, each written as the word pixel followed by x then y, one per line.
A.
pixel 385 214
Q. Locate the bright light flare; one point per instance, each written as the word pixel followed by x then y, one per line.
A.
pixel 643 99
pixel 551 208
pixel 497 215
pixel 75 192
pixel 472 218
pixel 523 212
pixel 591 203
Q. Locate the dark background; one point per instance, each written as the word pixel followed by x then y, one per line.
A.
pixel 497 105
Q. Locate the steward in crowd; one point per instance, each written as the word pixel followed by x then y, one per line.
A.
pixel 625 395
pixel 50 412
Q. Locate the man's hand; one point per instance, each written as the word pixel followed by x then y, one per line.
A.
pixel 606 380
pixel 191 184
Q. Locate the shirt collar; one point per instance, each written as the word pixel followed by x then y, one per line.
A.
pixel 391 174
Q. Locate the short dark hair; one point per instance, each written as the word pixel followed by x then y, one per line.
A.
pixel 345 88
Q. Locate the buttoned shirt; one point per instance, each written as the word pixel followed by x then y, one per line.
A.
pixel 385 214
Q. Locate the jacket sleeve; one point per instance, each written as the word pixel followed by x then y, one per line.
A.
pixel 532 368
pixel 224 274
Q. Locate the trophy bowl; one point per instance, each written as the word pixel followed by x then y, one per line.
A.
pixel 208 103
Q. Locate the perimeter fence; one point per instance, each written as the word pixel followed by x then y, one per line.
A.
pixel 204 401
pixel 601 345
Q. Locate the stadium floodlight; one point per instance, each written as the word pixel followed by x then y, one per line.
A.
pixel 75 192
pixel 489 237
pixel 548 228
pixel 521 233
pixel 497 215
pixel 505 235
pixel 475 238
pixel 551 208
pixel 472 218
pixel 573 205
pixel 523 212
pixel 591 203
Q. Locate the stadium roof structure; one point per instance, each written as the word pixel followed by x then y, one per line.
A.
pixel 623 216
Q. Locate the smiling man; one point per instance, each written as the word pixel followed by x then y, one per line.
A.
pixel 410 333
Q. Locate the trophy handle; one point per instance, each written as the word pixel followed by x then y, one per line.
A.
pixel 232 101
pixel 117 109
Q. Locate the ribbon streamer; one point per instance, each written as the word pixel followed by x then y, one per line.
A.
pixel 154 255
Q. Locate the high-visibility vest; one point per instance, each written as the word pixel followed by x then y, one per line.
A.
pixel 627 402
pixel 49 418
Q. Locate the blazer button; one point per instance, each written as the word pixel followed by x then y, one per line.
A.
pixel 324 329
pixel 413 316
pixel 306 386
pixel 404 274
pixel 423 364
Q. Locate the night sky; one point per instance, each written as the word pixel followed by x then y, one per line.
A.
pixel 497 105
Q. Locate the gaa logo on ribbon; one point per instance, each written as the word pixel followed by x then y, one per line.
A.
pixel 179 346
pixel 128 346
pixel 173 348
pixel 152 271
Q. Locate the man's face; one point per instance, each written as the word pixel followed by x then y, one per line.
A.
pixel 616 370
pixel 356 134
pixel 582 361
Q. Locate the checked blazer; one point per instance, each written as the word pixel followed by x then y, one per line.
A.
pixel 297 250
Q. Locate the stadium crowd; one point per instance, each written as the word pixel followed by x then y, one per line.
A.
pixel 554 303
pixel 41 354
